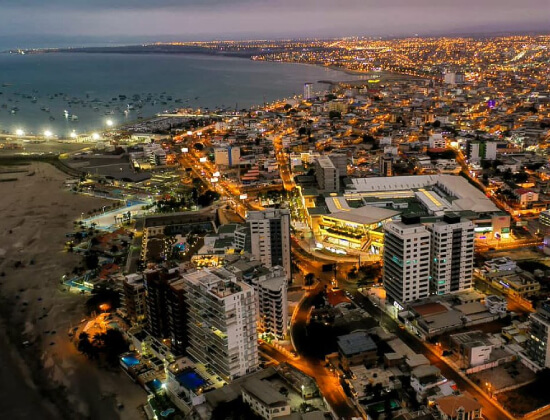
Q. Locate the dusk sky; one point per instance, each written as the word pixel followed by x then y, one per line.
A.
pixel 206 19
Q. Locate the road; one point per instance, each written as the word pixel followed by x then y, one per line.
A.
pixel 328 382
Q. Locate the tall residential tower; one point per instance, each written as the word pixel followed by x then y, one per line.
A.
pixel 406 260
pixel 270 237
pixel 452 254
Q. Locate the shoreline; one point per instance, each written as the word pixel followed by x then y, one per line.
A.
pixel 35 134
pixel 50 379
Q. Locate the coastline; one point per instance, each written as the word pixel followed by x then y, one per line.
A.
pixel 49 378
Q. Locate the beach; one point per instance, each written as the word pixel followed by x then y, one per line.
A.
pixel 47 377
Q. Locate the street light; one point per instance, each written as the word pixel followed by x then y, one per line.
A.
pixel 95 136
pixel 73 134
pixel 19 132
pixel 109 123
pixel 48 134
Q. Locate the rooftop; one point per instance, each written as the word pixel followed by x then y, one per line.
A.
pixel 355 343
pixel 264 392
pixel 450 405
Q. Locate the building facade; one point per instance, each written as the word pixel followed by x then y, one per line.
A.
pixel 538 348
pixel 452 254
pixel 221 323
pixel 270 237
pixel 308 91
pixel 227 156
pixel 406 260
pixel 327 174
pixel 166 310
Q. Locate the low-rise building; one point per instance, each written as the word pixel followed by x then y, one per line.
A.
pixel 458 407
pixel 423 378
pixel 500 264
pixel 356 348
pixel 497 305
pixel 264 399
pixel 517 283
pixel 473 348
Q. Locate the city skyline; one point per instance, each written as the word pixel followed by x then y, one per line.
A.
pixel 124 21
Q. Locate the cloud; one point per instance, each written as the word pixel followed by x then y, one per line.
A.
pixel 186 19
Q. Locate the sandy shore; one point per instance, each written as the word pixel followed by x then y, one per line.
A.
pixel 48 379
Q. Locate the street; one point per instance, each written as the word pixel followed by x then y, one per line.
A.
pixel 490 411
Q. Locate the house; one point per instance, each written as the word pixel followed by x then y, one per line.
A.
pixel 458 407
pixel 356 348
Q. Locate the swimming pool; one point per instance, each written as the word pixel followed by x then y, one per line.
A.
pixel 154 385
pixel 130 360
pixel 190 379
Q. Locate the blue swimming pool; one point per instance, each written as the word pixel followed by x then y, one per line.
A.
pixel 180 246
pixel 190 379
pixel 154 385
pixel 130 360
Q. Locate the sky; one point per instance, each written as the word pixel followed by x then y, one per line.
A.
pixel 163 20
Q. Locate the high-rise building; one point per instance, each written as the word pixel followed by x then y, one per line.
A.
pixel 327 174
pixel 166 309
pixel 270 237
pixel 308 91
pixel 479 150
pixel 406 260
pixel 538 344
pixel 340 162
pixel 133 298
pixel 452 254
pixel 450 78
pixel 221 324
pixel 386 161
pixel 270 285
pixel 227 156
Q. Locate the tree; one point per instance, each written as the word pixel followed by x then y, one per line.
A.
pixel 436 124
pixel 85 347
pixel 302 131
pixel 367 138
pixel 309 279
pixel 91 260
pixel 287 107
pixel 334 115
pixel 114 345
pixel 507 175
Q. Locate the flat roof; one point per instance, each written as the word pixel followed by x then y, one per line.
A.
pixel 355 343
pixel 428 309
pixel 467 196
pixel 264 392
pixel 366 215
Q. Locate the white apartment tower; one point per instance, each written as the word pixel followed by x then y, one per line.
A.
pixel 452 254
pixel 308 91
pixel 270 237
pixel 221 322
pixel 406 260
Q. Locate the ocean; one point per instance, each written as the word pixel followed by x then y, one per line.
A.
pixel 37 89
